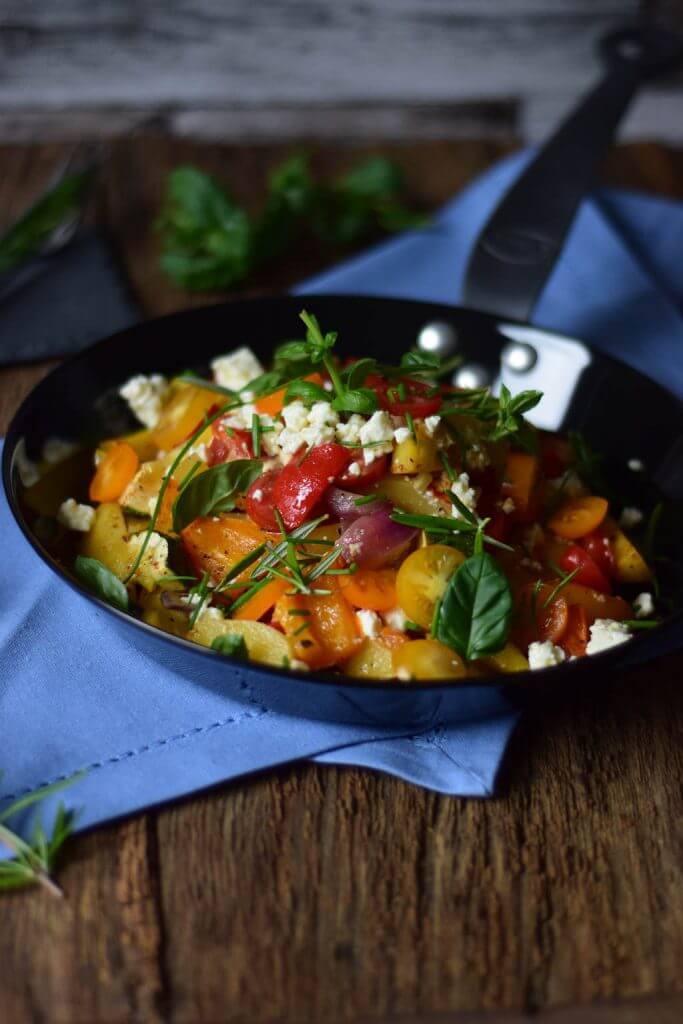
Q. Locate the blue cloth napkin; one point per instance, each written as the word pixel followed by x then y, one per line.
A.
pixel 76 695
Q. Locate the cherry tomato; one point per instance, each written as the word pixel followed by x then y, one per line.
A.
pixel 427 659
pixel 114 473
pixel 229 444
pixel 598 546
pixel 575 638
pixel 260 500
pixel 302 483
pixel 370 588
pixel 589 575
pixel 422 579
pixel 370 472
pixel 578 516
pixel 552 621
pixel 418 401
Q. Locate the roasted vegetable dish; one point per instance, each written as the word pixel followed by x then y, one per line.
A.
pixel 347 515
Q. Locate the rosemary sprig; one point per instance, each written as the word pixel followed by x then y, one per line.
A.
pixel 33 862
pixel 565 578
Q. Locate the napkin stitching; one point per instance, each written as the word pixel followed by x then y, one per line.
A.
pixel 144 749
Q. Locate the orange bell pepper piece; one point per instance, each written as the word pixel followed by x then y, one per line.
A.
pixel 272 404
pixel 321 627
pixel 216 546
pixel 521 473
pixel 262 601
pixel 115 471
pixel 370 588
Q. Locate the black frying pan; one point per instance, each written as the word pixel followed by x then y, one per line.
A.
pixel 621 412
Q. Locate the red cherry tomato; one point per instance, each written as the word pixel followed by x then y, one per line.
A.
pixel 589 575
pixel 575 637
pixel 418 401
pixel 302 483
pixel 370 473
pixel 228 444
pixel 260 500
pixel 598 546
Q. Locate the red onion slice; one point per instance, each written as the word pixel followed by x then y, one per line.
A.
pixel 342 505
pixel 374 541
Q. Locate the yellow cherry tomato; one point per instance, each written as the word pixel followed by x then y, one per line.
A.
pixel 422 579
pixel 427 659
pixel 578 516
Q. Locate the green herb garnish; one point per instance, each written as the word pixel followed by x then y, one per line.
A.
pixel 101 581
pixel 215 490
pixel 231 644
pixel 475 611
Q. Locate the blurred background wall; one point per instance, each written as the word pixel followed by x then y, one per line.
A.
pixel 269 69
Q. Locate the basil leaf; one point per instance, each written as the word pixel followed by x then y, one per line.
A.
pixel 101 581
pixel 361 400
pixel 354 375
pixel 214 491
pixel 475 611
pixel 307 391
pixel 231 644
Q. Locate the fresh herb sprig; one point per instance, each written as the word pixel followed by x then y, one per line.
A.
pixel 33 862
pixel 505 413
pixel 211 243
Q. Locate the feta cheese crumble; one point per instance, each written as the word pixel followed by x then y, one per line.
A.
pixel 644 606
pixel 355 469
pixel 545 654
pixel 606 633
pixel 349 432
pixel 144 396
pixel 431 424
pixel 378 434
pixel 154 561
pixel 309 427
pixel 28 471
pixel 636 465
pixel 395 618
pixel 401 434
pixel 508 506
pixel 369 622
pixel 75 516
pixel 630 517
pixel 477 457
pixel 236 369
pixel 466 494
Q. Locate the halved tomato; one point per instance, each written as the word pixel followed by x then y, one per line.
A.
pixel 229 444
pixel 406 396
pixel 302 483
pixel 422 578
pixel 370 472
pixel 576 635
pixel 589 574
pixel 260 500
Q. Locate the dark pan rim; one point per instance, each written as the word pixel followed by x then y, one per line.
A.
pixel 661 636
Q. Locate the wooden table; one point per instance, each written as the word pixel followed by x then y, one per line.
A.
pixel 324 894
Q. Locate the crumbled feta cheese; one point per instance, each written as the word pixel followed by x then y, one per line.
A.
pixel 199 450
pixel 154 561
pixel 466 494
pixel 431 424
pixel 644 606
pixel 544 654
pixel 636 465
pixel 236 369
pixel 298 665
pixel 378 433
pixel 75 516
pixel 606 633
pixel 477 457
pixel 401 434
pixel 295 415
pixel 28 471
pixel 369 622
pixel 322 421
pixel 630 517
pixel 349 432
pixel 395 618
pixel 355 469
pixel 257 495
pixel 55 450
pixel 508 506
pixel 144 396
pixel 404 675
pixel 241 417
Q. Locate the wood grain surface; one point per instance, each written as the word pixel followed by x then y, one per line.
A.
pixel 324 894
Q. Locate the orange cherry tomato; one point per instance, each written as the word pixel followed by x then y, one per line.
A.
pixel 578 516
pixel 215 546
pixel 115 471
pixel 321 627
pixel 552 621
pixel 371 588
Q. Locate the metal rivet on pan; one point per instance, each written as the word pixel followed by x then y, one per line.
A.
pixel 472 375
pixel 438 337
pixel 519 357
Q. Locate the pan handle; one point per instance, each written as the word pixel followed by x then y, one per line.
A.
pixel 517 249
